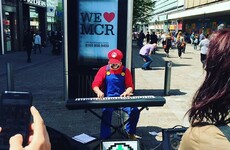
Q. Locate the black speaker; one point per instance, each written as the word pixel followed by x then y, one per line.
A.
pixel 172 137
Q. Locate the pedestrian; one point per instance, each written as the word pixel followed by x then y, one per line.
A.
pixel 145 52
pixel 115 80
pixel 153 38
pixel 28 44
pixel 209 114
pixel 221 26
pixel 147 38
pixel 192 37
pixel 37 43
pixel 163 38
pixel 167 43
pixel 201 36
pixel 180 44
pixel 204 49
pixel 140 40
pixel 57 43
pixel 196 41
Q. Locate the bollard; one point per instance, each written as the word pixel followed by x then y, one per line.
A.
pixel 168 66
pixel 10 77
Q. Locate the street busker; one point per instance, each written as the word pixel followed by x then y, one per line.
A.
pixel 115 80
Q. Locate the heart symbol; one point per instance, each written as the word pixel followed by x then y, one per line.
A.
pixel 51 9
pixel 109 16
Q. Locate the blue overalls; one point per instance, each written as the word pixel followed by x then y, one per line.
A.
pixel 114 87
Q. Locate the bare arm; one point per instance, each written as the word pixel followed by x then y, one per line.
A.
pixel 128 92
pixel 99 93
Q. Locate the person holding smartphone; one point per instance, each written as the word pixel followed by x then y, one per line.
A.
pixel 40 138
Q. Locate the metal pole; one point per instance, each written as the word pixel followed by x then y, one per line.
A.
pixel 65 43
pixel 2 30
pixel 168 66
pixel 10 77
pixel 129 35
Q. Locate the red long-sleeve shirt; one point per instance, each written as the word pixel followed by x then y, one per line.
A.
pixel 101 75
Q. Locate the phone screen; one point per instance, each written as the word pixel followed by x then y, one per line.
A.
pixel 14 117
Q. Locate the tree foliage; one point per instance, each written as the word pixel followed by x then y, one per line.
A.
pixel 142 10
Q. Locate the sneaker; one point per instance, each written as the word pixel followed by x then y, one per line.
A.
pixel 133 136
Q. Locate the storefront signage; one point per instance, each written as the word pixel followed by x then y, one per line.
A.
pixel 172 27
pixel 36 2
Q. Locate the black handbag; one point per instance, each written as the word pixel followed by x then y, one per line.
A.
pixel 225 130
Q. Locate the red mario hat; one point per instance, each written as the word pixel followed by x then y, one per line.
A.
pixel 115 56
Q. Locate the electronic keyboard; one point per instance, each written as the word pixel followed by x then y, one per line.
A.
pixel 114 102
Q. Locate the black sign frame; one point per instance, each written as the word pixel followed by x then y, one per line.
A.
pixel 79 75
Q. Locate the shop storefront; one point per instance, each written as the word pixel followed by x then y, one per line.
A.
pixel 18 16
pixel 206 23
pixel 34 17
pixel 8 25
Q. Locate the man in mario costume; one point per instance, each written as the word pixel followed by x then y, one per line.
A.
pixel 114 80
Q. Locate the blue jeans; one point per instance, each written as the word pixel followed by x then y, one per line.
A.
pixel 133 113
pixel 148 60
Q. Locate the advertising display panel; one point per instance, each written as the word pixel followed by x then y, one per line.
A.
pixel 97 30
pixel 92 29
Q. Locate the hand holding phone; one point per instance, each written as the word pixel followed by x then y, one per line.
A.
pixel 40 139
pixel 14 116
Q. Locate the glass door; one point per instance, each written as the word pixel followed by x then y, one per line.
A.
pixel 7 32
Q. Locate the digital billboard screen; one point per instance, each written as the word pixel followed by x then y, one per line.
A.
pixel 97 29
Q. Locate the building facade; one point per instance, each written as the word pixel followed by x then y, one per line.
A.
pixel 162 9
pixel 190 15
pixel 203 15
pixel 16 17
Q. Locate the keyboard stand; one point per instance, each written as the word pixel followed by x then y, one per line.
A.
pixel 116 129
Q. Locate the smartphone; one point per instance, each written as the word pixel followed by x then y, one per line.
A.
pixel 14 116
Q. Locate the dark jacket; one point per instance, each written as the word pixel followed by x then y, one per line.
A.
pixel 28 41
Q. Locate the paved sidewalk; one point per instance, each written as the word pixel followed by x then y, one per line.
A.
pixel 17 60
pixel 186 76
pixel 44 78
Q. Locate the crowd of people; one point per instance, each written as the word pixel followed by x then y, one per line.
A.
pixel 34 41
pixel 149 43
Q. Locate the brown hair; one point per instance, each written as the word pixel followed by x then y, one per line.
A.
pixel 211 103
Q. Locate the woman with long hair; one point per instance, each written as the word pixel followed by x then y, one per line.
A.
pixel 180 44
pixel 167 43
pixel 209 114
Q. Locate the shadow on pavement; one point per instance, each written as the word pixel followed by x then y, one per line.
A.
pixel 179 65
pixel 158 92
